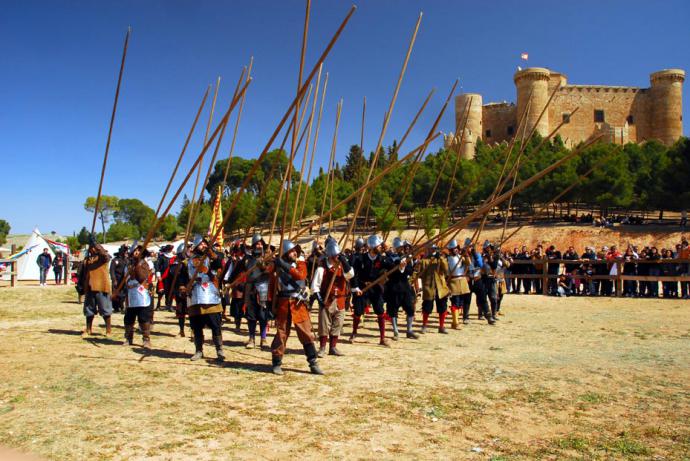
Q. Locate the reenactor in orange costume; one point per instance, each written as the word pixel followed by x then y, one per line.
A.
pixel 291 307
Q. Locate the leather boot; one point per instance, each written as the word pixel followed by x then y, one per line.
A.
pixel 456 323
pixel 146 333
pixel 276 363
pixel 323 340
pixel 129 335
pixel 333 347
pixel 310 352
pixel 218 342
pixel 199 347
pixel 108 326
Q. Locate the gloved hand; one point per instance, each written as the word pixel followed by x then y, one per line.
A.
pixel 286 266
pixel 344 262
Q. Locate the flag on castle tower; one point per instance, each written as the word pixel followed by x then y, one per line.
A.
pixel 524 56
pixel 216 218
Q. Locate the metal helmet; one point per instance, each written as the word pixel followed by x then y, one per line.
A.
pixel 287 246
pixel 197 240
pixel 180 248
pixel 332 249
pixel 133 247
pixel 486 244
pixel 374 240
pixel 468 242
pixel 359 243
pixel 328 240
pixel 453 244
pixel 256 238
pixel 398 243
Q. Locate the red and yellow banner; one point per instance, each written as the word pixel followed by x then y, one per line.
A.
pixel 216 218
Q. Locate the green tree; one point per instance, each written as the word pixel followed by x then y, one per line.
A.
pixel 122 231
pixel 83 236
pixel 4 231
pixel 135 212
pixel 73 243
pixel 356 165
pixel 108 205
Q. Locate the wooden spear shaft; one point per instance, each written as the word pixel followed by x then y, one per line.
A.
pixel 237 125
pixel 255 166
pixel 333 151
pixel 192 203
pixel 306 150
pixel 313 148
pixel 110 131
pixel 358 206
pixel 184 149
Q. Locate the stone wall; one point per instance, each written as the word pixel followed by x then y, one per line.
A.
pixel 498 118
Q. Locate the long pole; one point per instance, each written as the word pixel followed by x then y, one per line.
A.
pixel 110 131
pixel 306 150
pixel 184 149
pixel 237 125
pixel 358 206
pixel 313 148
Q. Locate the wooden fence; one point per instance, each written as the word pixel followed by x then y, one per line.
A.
pixel 617 278
pixel 12 272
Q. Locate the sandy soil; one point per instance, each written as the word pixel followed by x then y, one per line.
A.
pixel 576 378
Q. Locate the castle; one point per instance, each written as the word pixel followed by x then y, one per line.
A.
pixel 622 114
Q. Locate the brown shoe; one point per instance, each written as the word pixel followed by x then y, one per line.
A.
pixel 385 343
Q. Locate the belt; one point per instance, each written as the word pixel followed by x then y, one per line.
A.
pixel 454 277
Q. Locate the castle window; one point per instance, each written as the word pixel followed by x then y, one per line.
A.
pixel 566 117
pixel 599 116
pixel 488 133
pixel 511 130
pixel 630 120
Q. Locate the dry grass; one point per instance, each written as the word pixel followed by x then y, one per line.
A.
pixel 556 379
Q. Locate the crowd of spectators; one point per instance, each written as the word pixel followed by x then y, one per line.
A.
pixel 579 277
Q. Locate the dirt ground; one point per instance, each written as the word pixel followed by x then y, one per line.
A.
pixel 557 378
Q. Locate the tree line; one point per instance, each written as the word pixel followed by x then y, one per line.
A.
pixel 648 176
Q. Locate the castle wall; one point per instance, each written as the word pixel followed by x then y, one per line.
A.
pixel 617 104
pixel 500 121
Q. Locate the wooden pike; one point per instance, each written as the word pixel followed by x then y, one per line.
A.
pixel 110 131
pixel 256 164
pixel 237 125
pixel 358 206
pixel 192 203
pixel 184 149
pixel 313 148
pixel 306 149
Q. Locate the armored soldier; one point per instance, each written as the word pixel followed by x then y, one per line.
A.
pixel 139 300
pixel 398 291
pixel 291 307
pixel 479 283
pixel 256 270
pixel 433 271
pixel 459 266
pixel 329 285
pixel 368 268
pixel 204 309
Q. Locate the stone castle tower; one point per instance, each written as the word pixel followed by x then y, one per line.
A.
pixel 622 114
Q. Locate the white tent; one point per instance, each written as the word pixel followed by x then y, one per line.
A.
pixel 27 269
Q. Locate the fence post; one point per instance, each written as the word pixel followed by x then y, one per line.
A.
pixel 619 280
pixel 545 278
pixel 13 276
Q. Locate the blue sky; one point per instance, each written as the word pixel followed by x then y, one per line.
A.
pixel 59 62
